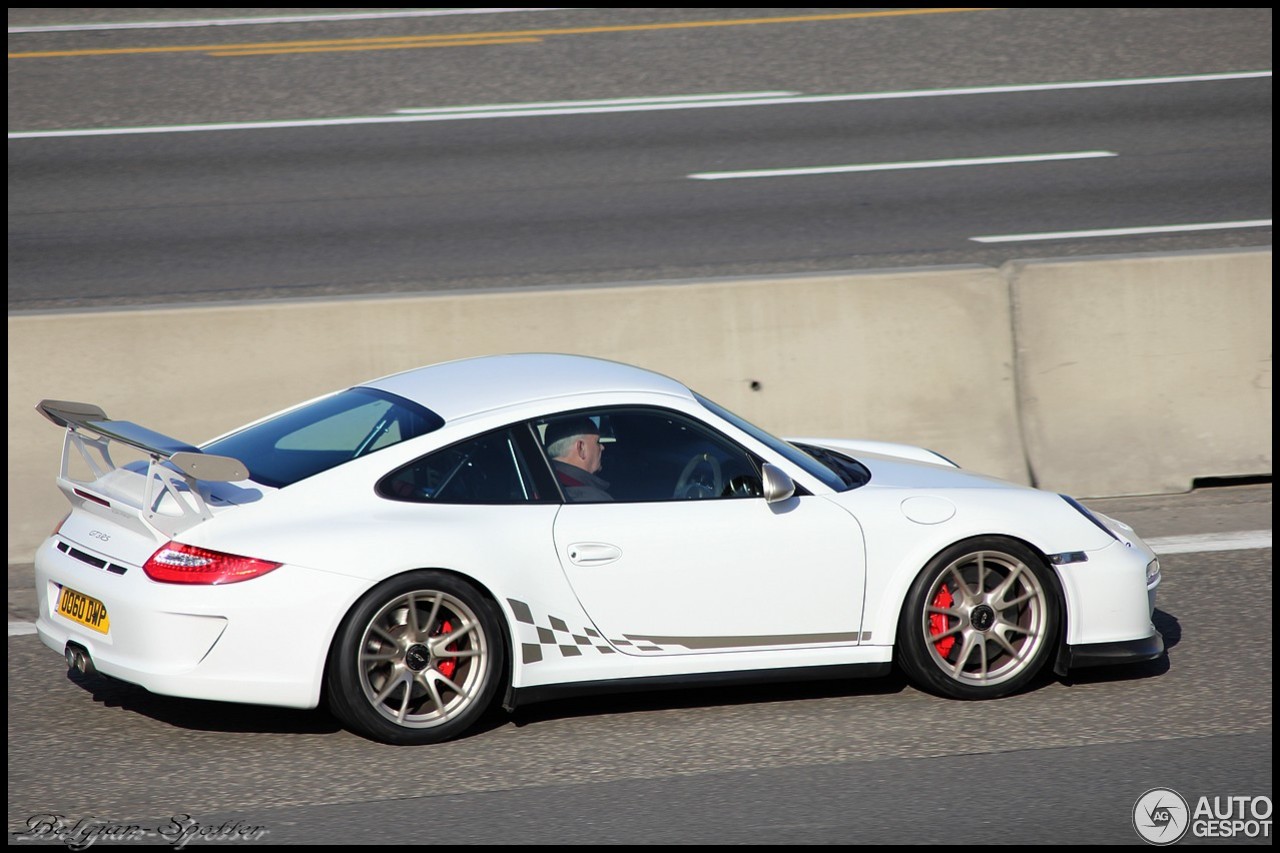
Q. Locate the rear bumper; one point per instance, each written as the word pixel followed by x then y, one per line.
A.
pixel 263 641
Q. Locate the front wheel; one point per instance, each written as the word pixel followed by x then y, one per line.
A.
pixel 418 660
pixel 980 621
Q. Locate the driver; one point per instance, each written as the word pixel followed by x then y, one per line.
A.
pixel 575 451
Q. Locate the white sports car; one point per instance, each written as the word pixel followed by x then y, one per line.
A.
pixel 513 528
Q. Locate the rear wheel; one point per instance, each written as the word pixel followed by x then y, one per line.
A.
pixel 418 660
pixel 980 621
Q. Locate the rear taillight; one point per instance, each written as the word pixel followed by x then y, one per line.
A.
pixel 178 563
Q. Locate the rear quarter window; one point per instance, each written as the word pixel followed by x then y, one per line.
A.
pixel 326 433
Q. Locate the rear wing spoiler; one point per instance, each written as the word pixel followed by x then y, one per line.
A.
pixel 173 471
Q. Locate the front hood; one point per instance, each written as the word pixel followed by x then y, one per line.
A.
pixel 908 467
pixel 935 504
pixel 858 447
pixel 895 472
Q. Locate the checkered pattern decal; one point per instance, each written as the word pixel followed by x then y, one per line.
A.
pixel 555 634
pixel 552 632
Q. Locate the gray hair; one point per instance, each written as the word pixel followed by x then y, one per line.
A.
pixel 562 433
pixel 561 446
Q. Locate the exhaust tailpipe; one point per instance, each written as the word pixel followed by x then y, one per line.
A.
pixel 78 659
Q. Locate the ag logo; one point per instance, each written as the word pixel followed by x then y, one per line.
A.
pixel 1161 816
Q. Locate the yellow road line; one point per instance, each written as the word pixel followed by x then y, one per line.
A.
pixel 426 42
pixel 371 43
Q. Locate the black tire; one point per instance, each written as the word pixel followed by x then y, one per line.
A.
pixel 980 621
pixel 394 676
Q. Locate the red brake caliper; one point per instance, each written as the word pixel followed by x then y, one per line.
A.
pixel 447 667
pixel 938 622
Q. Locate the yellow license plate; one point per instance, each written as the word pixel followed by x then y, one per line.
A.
pixel 78 607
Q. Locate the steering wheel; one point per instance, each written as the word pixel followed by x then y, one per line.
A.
pixel 689 486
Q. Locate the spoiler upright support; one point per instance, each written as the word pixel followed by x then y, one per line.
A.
pixel 90 432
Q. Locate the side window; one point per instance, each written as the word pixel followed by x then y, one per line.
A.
pixel 644 455
pixel 487 470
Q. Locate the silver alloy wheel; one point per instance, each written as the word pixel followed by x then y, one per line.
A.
pixel 985 618
pixel 423 659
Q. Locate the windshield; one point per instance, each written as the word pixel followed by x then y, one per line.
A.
pixel 829 477
pixel 324 434
pixel 853 472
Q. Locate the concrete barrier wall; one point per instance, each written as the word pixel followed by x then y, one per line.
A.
pixel 919 356
pixel 1138 374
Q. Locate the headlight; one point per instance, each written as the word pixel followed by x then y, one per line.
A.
pixel 1153 571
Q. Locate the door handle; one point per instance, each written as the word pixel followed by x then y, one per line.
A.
pixel 593 553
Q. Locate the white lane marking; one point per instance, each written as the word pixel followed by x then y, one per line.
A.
pixel 20 629
pixel 487 112
pixel 668 99
pixel 1244 540
pixel 1120 232
pixel 915 164
pixel 279 19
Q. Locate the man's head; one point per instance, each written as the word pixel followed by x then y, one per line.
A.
pixel 575 441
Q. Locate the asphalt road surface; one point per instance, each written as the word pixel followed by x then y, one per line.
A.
pixel 872 761
pixel 545 148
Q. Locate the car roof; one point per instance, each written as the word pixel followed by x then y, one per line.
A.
pixel 456 389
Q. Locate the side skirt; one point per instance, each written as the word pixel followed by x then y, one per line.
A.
pixel 517 697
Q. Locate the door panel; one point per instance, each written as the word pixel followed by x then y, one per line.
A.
pixel 684 577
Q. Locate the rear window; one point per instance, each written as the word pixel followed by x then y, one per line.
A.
pixel 322 435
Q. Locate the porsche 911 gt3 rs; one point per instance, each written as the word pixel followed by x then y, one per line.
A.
pixel 415 549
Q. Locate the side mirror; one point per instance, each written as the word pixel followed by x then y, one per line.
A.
pixel 777 485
